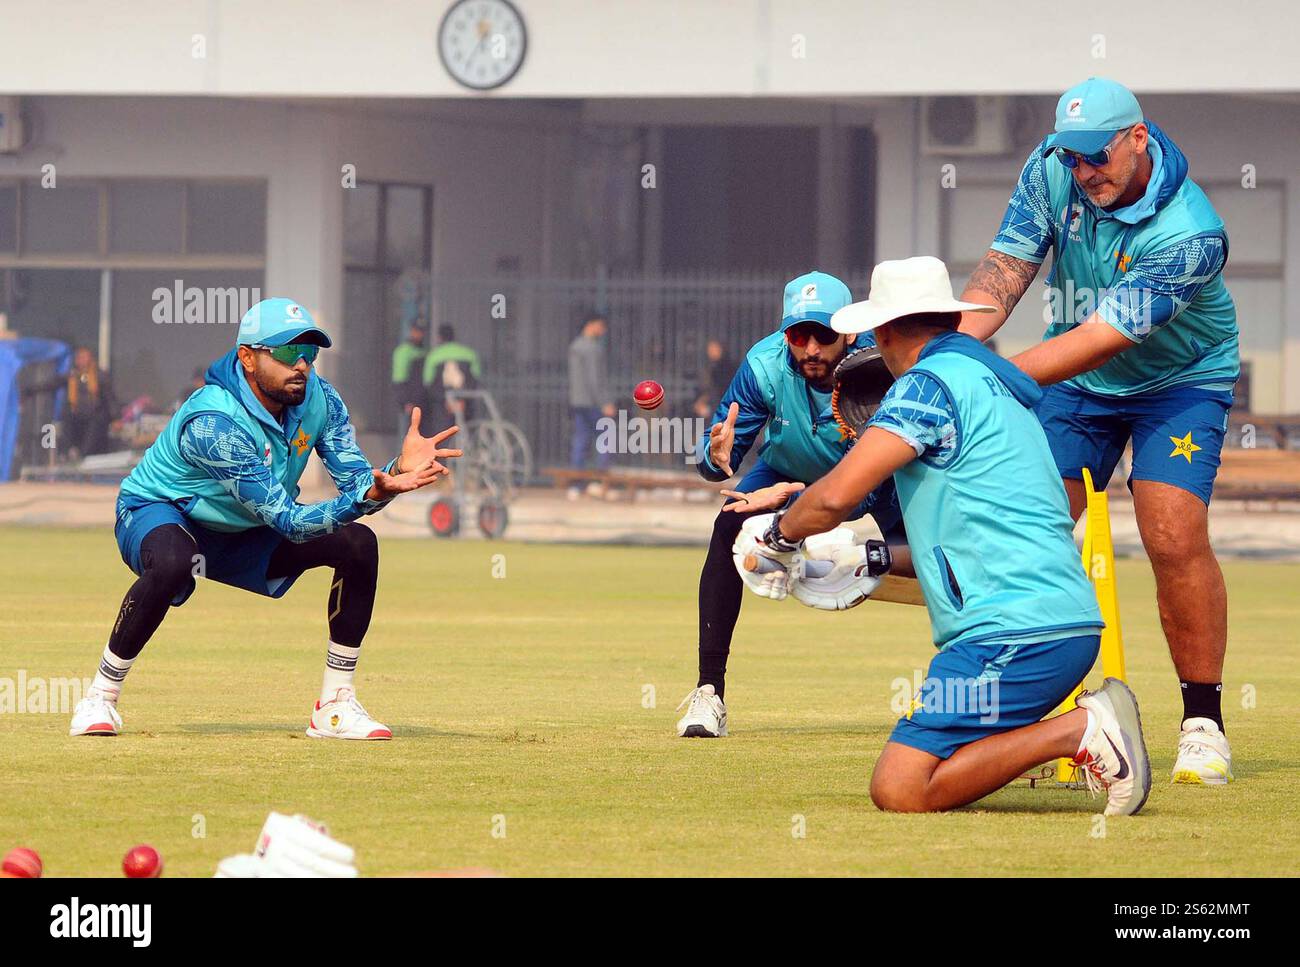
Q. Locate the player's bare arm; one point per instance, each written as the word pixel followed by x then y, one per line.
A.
pixel 999 280
pixel 1084 348
pixel 831 499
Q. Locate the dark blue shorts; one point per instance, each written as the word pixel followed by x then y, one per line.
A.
pixel 239 559
pixel 1177 434
pixel 973 691
pixel 882 503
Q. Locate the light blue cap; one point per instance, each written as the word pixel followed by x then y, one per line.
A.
pixel 816 297
pixel 1088 115
pixel 278 322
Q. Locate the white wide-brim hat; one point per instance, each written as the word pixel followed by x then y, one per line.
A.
pixel 903 287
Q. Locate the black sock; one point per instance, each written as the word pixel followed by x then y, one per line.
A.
pixel 720 594
pixel 1203 701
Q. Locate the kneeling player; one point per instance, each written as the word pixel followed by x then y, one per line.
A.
pixel 214 496
pixel 990 533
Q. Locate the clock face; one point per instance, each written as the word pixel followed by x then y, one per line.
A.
pixel 482 42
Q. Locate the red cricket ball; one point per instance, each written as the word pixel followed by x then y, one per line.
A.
pixel 648 394
pixel 142 863
pixel 23 863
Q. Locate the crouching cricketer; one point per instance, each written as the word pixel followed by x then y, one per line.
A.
pixel 783 384
pixel 214 497
pixel 989 527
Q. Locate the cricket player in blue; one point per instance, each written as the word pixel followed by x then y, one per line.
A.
pixel 1142 346
pixel 783 384
pixel 215 497
pixel 1011 610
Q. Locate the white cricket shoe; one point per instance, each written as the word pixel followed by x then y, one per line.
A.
pixel 707 716
pixel 343 717
pixel 1204 758
pixel 1115 756
pixel 95 715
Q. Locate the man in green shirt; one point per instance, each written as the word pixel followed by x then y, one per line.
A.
pixel 450 365
pixel 407 388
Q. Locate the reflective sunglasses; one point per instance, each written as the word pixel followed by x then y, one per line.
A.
pixel 800 333
pixel 1098 159
pixel 292 352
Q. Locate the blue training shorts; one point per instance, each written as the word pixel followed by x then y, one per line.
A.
pixel 239 559
pixel 973 691
pixel 1177 434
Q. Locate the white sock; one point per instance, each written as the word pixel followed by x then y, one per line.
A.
pixel 340 670
pixel 1088 731
pixel 110 676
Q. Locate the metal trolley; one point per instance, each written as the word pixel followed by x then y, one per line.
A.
pixel 498 461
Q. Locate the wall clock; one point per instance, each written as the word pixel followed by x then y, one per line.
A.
pixel 482 42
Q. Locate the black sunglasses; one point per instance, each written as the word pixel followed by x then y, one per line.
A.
pixel 800 333
pixel 1098 159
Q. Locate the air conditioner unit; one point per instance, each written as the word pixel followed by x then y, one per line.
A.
pixel 965 125
pixel 11 125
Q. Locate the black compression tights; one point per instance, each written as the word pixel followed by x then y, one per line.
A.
pixel 720 594
pixel 167 559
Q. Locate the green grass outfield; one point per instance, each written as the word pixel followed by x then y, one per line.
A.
pixel 522 697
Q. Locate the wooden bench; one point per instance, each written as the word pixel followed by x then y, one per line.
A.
pixel 630 482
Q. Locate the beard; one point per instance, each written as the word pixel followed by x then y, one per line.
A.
pixel 290 393
pixel 819 372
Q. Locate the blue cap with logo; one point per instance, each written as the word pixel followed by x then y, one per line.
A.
pixel 1088 115
pixel 814 297
pixel 278 322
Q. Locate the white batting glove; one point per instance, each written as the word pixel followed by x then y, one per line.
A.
pixel 838 572
pixel 763 559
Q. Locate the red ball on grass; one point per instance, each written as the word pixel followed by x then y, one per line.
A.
pixel 142 863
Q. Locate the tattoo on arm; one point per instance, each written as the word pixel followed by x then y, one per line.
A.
pixel 1004 277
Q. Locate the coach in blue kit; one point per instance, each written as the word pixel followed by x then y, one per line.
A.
pixel 784 384
pixel 215 497
pixel 1011 610
pixel 1142 346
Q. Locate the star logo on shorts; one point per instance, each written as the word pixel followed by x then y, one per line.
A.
pixel 1185 446
pixel 303 442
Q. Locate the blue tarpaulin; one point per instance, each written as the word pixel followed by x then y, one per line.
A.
pixel 14 355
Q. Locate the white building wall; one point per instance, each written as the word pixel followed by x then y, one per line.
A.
pixel 710 48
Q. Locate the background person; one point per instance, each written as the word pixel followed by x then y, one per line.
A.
pixel 406 379
pixel 590 397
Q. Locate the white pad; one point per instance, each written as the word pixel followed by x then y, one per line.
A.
pixel 295 846
pixel 292 846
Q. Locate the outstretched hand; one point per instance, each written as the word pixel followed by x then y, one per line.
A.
pixel 721 437
pixel 418 464
pixel 767 498
pixel 416 448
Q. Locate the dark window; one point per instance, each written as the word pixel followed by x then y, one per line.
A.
pixel 739 197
